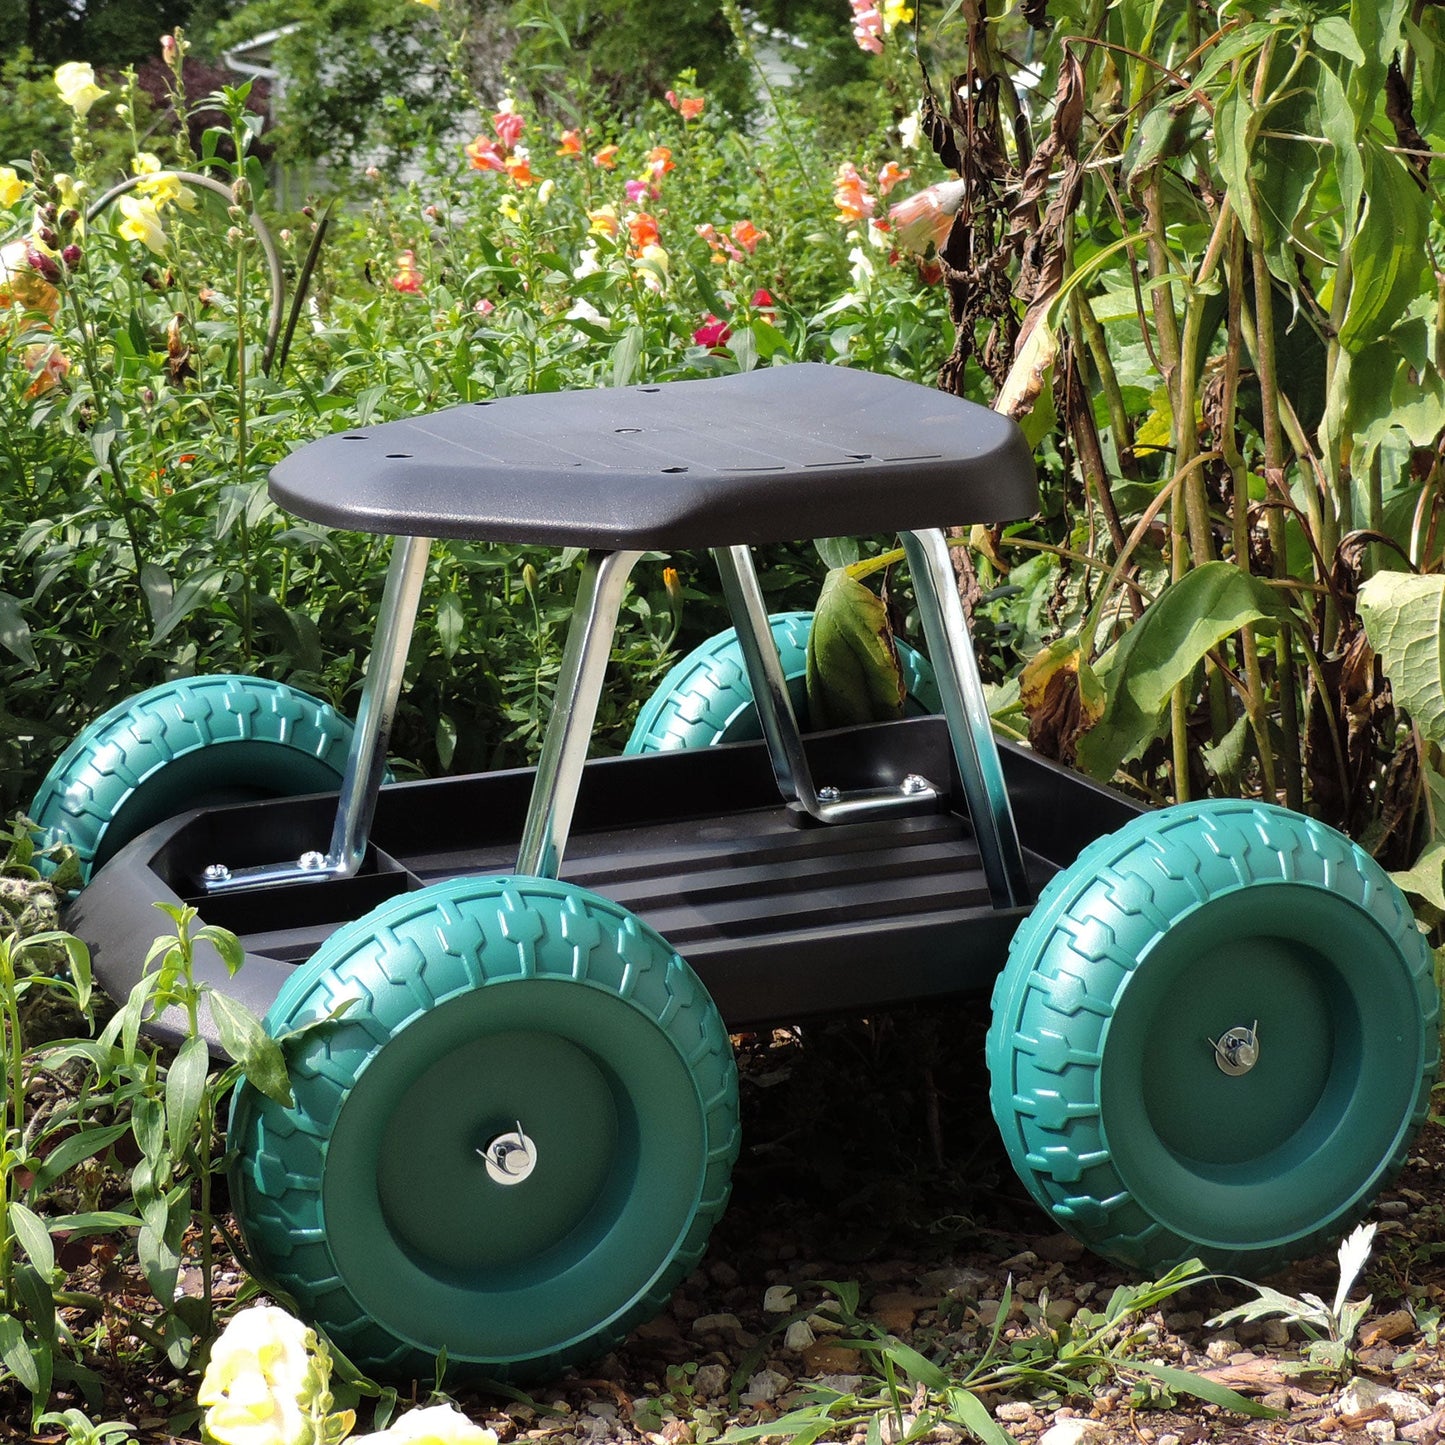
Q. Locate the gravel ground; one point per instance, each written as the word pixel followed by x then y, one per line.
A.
pixel 871 1160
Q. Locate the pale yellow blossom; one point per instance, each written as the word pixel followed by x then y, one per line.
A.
pixel 142 223
pixel 75 80
pixel 895 12
pixel 12 188
pixel 434 1425
pixel 264 1382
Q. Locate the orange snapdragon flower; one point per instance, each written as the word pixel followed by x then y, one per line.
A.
pixel 850 195
pixel 408 276
pixel 891 175
pixel 642 228
pixel 570 143
pixel 687 106
pixel 606 158
pixel 519 168
pixel 483 155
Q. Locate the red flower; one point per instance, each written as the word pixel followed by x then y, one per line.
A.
pixel 408 277
pixel 483 155
pixel 712 333
pixel 689 107
pixel 508 126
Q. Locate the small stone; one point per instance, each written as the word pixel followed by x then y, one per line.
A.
pixel 1221 1351
pixel 602 1409
pixel 1061 1311
pixel 1071 1432
pixel 1025 1259
pixel 1404 1408
pixel 843 1384
pixel 1059 1248
pixel 1016 1410
pixel 826 1324
pixel 766 1385
pixel 1393 1208
pixel 893 1319
pixel 1388 1328
pixel 955 1283
pixel 892 1429
pixel 1276 1333
pixel 1167 1440
pixel 1185 1320
pixel 710 1381
pixel 988 1312
pixel 1276 1400
pixel 1381 1430
pixel 1359 1397
pixel 798 1336
pixel 723 1273
pixel 823 1357
pixel 716 1325
pixel 1428 1429
pixel 779 1299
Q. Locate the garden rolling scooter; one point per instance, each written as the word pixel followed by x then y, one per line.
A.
pixel 515 1104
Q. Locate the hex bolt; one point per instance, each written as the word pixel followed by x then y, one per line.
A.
pixel 1237 1050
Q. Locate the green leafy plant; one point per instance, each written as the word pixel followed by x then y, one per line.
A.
pixel 1331 1327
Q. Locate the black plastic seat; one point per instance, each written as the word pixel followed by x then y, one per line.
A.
pixel 773 455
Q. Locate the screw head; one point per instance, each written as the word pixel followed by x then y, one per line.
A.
pixel 829 794
pixel 509 1157
pixel 216 873
pixel 312 861
pixel 916 783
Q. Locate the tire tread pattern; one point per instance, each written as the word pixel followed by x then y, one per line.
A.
pixel 1049 1018
pixel 492 931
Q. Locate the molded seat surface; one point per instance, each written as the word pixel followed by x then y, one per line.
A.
pixel 772 455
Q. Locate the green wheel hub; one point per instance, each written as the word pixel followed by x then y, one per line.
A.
pixel 706 697
pixel 1122 1108
pixel 486 1010
pixel 195 742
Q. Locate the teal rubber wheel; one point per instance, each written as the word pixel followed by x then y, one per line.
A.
pixel 1214 1037
pixel 488 1015
pixel 194 742
pixel 706 697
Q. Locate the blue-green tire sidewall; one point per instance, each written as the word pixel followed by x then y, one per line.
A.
pixel 186 744
pixel 1183 924
pixel 473 1004
pixel 706 698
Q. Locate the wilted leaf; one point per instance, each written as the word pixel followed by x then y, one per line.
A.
pixel 1402 616
pixel 853 674
pixel 1062 698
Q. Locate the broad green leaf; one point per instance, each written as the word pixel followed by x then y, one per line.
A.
pixel 449 624
pixel 226 944
pixel 15 1354
pixel 34 1237
pixel 185 1086
pixel 853 674
pixel 197 590
pixel 837 551
pixel 1161 650
pixel 625 356
pixel 1182 1382
pixel 70 1152
pixel 1333 32
pixel 970 1412
pixel 1388 256
pixel 246 1041
pixel 918 1368
pixel 1338 126
pixel 15 630
pixel 1231 145
pixel 148 1124
pixel 1403 615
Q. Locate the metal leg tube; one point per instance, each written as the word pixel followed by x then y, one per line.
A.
pixel 966 709
pixel 574 709
pixel 770 688
pixel 366 761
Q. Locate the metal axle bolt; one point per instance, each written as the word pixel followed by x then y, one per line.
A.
pixel 829 794
pixel 1237 1051
pixel 216 873
pixel 915 783
pixel 510 1157
pixel 312 862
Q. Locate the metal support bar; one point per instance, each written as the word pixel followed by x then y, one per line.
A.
pixel 945 629
pixel 574 709
pixel 366 760
pixel 779 722
pixel 744 598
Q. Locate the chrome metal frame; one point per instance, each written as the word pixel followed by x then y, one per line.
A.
pixel 366 760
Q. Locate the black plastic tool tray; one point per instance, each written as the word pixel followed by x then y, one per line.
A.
pixel 781 917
